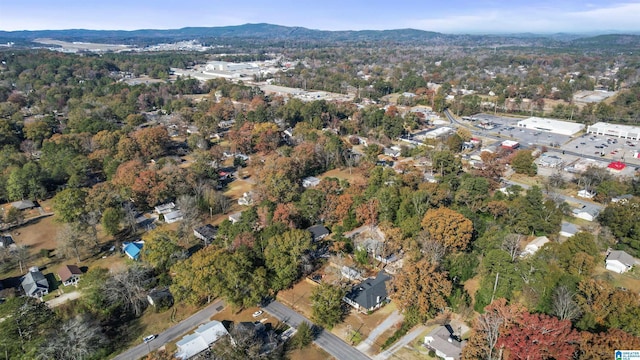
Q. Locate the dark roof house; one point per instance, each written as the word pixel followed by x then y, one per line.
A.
pixel 35 284
pixel 369 294
pixel 5 241
pixel 69 274
pixel 318 232
pixel 206 233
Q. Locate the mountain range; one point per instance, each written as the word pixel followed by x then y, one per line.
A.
pixel 276 33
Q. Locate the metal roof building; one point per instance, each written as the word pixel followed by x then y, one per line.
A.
pixel 551 125
pixel 620 131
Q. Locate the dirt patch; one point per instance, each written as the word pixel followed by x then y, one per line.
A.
pixel 237 188
pixel 298 297
pixel 471 286
pixel 309 353
pixel 352 176
pixel 38 234
pixel 357 321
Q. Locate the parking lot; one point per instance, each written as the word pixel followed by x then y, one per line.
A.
pixel 609 148
pixel 508 127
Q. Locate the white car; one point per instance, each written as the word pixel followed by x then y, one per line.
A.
pixel 257 313
pixel 146 339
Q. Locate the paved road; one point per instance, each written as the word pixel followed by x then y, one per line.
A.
pixel 393 318
pixel 569 199
pixel 401 343
pixel 326 340
pixel 173 332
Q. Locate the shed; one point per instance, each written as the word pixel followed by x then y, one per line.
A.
pixel 6 241
pixel 133 249
pixel 23 204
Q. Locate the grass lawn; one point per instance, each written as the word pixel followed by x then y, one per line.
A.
pixel 351 176
pixel 311 352
pixel 362 322
pixel 298 297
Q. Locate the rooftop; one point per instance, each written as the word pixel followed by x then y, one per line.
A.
pixel 366 293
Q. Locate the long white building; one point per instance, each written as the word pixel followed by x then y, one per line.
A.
pixel 551 125
pixel 620 131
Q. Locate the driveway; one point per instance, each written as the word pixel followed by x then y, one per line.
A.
pixel 172 333
pixel 325 340
pixel 63 298
pixel 401 343
pixel 393 318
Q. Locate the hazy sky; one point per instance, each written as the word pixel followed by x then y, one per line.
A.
pixel 452 16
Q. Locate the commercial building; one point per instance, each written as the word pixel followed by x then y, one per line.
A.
pixel 620 131
pixel 510 144
pixel 551 125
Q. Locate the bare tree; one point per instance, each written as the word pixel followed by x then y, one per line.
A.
pixel 511 244
pixel 190 213
pixel 21 254
pixel 71 241
pixel 564 307
pixel 489 324
pixel 130 214
pixel 222 202
pixel 78 338
pixel 434 251
pixel 127 288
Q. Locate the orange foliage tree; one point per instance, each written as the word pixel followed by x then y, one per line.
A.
pixel 450 228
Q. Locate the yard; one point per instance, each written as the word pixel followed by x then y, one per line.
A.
pixel 352 176
pixel 298 297
pixel 363 323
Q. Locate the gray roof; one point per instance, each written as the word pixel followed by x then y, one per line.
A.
pixel 5 240
pixel 591 210
pixel 318 231
pixel 23 204
pixel 367 292
pixel 440 342
pixel 568 228
pixel 622 256
pixel 207 231
pixel 33 281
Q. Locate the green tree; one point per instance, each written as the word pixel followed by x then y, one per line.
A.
pixel 69 204
pixel 111 219
pixel 161 249
pixel 303 336
pixel 284 255
pixel 522 163
pixel 326 304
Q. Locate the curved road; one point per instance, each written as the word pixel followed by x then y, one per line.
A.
pixel 326 340
pixel 173 332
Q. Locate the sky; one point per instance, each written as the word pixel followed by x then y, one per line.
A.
pixel 446 16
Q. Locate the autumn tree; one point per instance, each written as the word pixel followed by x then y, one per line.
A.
pixel 152 141
pixel 596 346
pixel 326 304
pixel 539 336
pixel 422 286
pixel 448 227
pixel 367 213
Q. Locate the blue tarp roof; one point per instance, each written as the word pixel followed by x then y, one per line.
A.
pixel 133 250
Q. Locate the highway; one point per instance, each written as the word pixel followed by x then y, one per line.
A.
pixel 172 333
pixel 325 340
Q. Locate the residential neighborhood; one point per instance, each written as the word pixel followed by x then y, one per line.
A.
pixel 277 192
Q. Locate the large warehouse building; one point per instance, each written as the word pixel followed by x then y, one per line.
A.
pixel 551 125
pixel 620 131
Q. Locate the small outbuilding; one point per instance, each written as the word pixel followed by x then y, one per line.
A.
pixel 133 249
pixel 23 204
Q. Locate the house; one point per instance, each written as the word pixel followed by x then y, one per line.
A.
pixel 206 233
pixel 619 261
pixel 6 241
pixel 586 194
pixel 318 232
pixel 586 212
pixel 394 152
pixel 165 208
pixel 69 274
pixel 35 284
pixel 173 216
pixel 622 199
pixel 443 341
pixel 568 229
pixel 246 199
pixel 200 340
pixel 535 245
pixel 310 181
pixel 369 294
pixel 160 298
pixel 235 217
pixel 133 249
pixel 23 204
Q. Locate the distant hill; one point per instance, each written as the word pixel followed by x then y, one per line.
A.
pixel 270 33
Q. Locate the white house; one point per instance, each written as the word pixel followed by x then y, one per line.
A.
pixel 310 181
pixel 200 340
pixel 619 261
pixel 586 194
pixel 165 208
pixel 235 217
pixel 588 213
pixel 173 216
pixel 246 199
pixel 535 245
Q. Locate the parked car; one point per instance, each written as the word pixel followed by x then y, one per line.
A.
pixel 257 313
pixel 148 338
